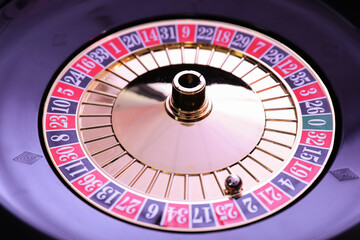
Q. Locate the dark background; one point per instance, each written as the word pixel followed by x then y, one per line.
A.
pixel 11 226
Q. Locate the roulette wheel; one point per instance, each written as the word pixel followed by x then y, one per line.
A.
pixel 178 119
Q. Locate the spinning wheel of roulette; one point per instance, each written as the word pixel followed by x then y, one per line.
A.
pixel 182 119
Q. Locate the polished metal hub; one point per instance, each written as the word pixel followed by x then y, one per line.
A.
pixel 188 101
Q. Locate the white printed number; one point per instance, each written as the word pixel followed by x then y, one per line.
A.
pixel 226 211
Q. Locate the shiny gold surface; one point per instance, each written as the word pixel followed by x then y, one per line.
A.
pixel 144 128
